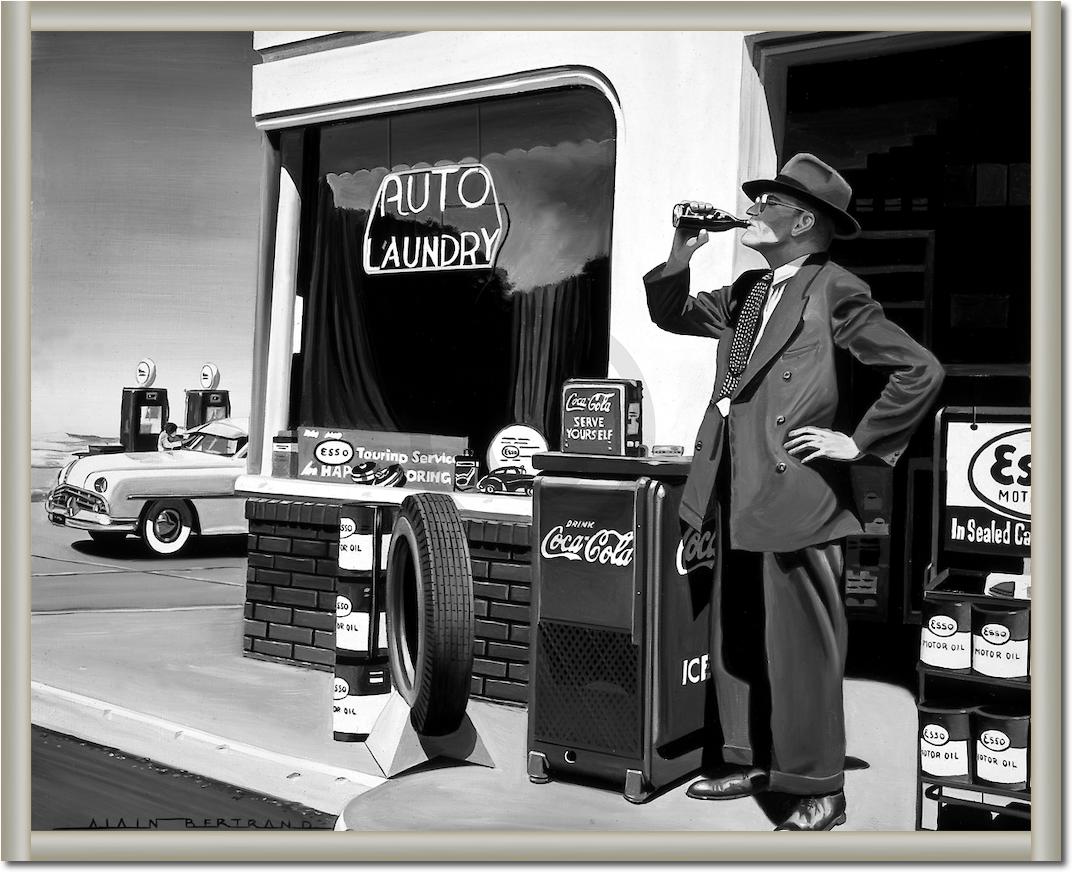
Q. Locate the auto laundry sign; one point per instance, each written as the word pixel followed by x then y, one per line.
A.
pixel 988 488
pixel 434 219
pixel 365 457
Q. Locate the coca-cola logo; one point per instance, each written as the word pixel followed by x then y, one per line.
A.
pixel 601 546
pixel 596 402
pixel 696 549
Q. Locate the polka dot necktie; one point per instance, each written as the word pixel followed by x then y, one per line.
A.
pixel 744 333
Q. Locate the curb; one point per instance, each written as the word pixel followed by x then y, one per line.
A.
pixel 319 786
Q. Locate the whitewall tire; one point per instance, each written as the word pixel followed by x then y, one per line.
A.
pixel 167 526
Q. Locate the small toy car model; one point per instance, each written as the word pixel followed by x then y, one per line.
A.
pixel 507 480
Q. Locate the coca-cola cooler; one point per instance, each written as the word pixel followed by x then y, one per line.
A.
pixel 619 688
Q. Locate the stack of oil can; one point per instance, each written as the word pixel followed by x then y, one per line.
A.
pixel 984 745
pixel 362 670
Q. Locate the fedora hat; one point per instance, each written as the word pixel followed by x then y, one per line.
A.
pixel 815 182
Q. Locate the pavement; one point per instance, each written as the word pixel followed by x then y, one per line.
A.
pixel 145 655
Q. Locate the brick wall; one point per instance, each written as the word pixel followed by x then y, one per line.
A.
pixel 293 553
pixel 502 585
pixel 290 593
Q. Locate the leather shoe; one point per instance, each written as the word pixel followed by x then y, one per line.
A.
pixel 746 782
pixel 816 813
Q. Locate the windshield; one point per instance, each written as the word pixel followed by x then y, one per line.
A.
pixel 210 443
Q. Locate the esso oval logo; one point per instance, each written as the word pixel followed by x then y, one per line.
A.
pixel 334 452
pixel 511 452
pixel 935 734
pixel 210 377
pixel 994 740
pixel 999 473
pixel 995 634
pixel 343 606
pixel 342 688
pixel 347 527
pixel 146 372
pixel 942 625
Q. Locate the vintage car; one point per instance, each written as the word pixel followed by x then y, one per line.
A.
pixel 163 497
pixel 507 480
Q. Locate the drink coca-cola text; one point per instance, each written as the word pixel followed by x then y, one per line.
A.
pixel 602 546
pixel 696 549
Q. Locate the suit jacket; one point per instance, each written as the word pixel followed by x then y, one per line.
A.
pixel 777 503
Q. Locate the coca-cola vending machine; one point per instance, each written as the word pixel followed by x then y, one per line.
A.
pixel 619 686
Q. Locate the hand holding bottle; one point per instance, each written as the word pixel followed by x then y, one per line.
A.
pixel 693 222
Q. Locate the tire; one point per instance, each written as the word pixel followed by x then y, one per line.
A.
pixel 167 526
pixel 430 612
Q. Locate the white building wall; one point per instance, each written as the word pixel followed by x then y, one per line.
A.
pixel 692 124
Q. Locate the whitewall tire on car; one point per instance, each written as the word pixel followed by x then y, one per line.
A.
pixel 167 526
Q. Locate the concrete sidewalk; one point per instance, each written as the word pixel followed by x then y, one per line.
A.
pixel 172 685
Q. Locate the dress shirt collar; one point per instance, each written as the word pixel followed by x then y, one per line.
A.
pixel 787 270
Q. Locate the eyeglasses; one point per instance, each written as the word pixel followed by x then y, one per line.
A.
pixel 764 200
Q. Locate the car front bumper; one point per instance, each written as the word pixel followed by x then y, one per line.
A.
pixel 67 513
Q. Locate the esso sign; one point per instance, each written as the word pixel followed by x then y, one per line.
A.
pixel 942 625
pixel 334 452
pixel 210 377
pixel 995 634
pixel 146 372
pixel 341 689
pixel 935 734
pixel 994 740
pixel 347 527
pixel 999 473
pixel 343 606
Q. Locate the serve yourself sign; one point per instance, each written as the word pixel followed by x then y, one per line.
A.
pixel 988 487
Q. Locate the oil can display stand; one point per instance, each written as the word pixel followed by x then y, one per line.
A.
pixel 404 616
pixel 974 677
pixel 620 636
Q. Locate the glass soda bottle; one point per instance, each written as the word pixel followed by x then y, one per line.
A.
pixel 712 220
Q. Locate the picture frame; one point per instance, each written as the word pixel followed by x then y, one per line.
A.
pixel 1044 840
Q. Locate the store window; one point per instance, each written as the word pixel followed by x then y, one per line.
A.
pixel 455 265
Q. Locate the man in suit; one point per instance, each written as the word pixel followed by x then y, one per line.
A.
pixel 770 470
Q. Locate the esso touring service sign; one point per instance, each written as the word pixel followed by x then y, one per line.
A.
pixel 988 488
pixel 434 219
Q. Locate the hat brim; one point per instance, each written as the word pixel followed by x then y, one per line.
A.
pixel 845 226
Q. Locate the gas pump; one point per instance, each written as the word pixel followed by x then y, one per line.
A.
pixel 209 403
pixel 144 411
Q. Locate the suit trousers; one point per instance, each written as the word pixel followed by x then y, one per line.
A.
pixel 779 644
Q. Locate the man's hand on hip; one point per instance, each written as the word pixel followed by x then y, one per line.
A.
pixel 811 443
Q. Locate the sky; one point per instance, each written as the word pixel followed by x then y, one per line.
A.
pixel 146 173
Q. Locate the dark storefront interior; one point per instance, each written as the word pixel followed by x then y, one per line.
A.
pixel 935 141
pixel 467 352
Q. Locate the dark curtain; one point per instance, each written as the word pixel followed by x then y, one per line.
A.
pixel 556 332
pixel 340 376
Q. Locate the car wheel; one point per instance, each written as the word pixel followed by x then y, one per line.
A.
pixel 430 612
pixel 488 488
pixel 167 526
